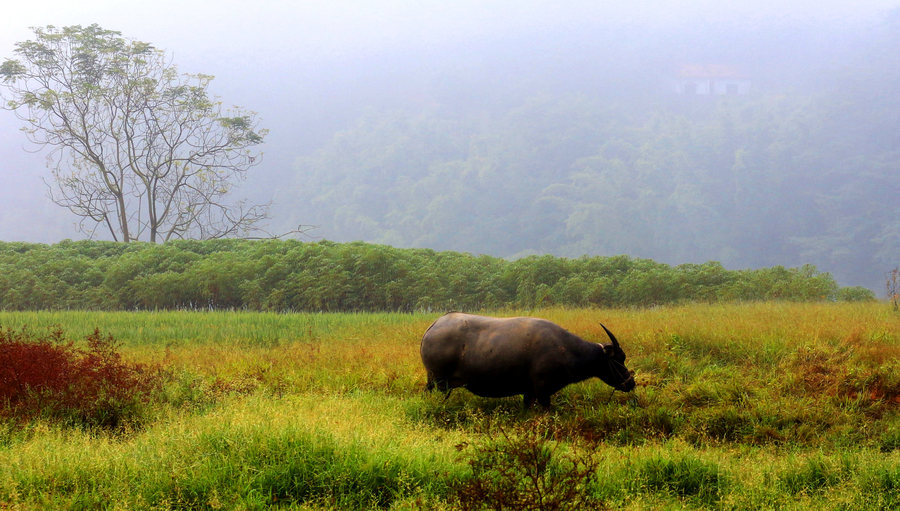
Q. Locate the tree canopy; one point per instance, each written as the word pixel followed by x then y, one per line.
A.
pixel 750 181
pixel 136 149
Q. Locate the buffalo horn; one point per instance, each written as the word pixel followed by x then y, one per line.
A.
pixel 611 336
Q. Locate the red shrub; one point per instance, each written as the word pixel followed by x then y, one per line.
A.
pixel 52 377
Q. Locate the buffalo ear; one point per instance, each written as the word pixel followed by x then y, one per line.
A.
pixel 611 336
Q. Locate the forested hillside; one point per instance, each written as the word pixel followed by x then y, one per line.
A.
pixel 325 276
pixel 749 182
pixel 797 171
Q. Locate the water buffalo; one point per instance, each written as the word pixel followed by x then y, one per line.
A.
pixel 497 357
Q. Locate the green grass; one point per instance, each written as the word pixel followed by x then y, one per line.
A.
pixel 265 329
pixel 774 405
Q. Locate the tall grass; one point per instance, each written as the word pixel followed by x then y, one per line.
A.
pixel 250 452
pixel 749 406
pixel 142 328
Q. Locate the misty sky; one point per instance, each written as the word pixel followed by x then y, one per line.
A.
pixel 261 51
pixel 297 33
pixel 323 30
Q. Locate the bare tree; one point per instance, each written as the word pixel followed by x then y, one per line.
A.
pixel 892 284
pixel 135 147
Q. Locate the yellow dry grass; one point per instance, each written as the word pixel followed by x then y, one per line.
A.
pixel 357 380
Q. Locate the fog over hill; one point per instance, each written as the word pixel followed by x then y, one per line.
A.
pixel 510 128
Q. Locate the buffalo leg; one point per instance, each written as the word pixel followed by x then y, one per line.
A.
pixel 436 384
pixel 527 400
pixel 544 400
pixel 432 384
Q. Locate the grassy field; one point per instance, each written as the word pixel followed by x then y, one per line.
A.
pixel 753 406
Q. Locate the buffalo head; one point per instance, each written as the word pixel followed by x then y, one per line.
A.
pixel 613 371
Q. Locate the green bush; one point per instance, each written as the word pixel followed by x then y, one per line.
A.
pixel 522 469
pixel 325 276
pixel 855 294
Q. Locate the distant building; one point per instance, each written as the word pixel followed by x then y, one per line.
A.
pixel 710 80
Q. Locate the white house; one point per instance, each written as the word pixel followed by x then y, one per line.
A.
pixel 710 80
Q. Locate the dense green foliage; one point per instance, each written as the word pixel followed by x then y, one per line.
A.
pixel 326 276
pixel 785 175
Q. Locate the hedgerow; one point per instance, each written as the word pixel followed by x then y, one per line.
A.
pixel 290 275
